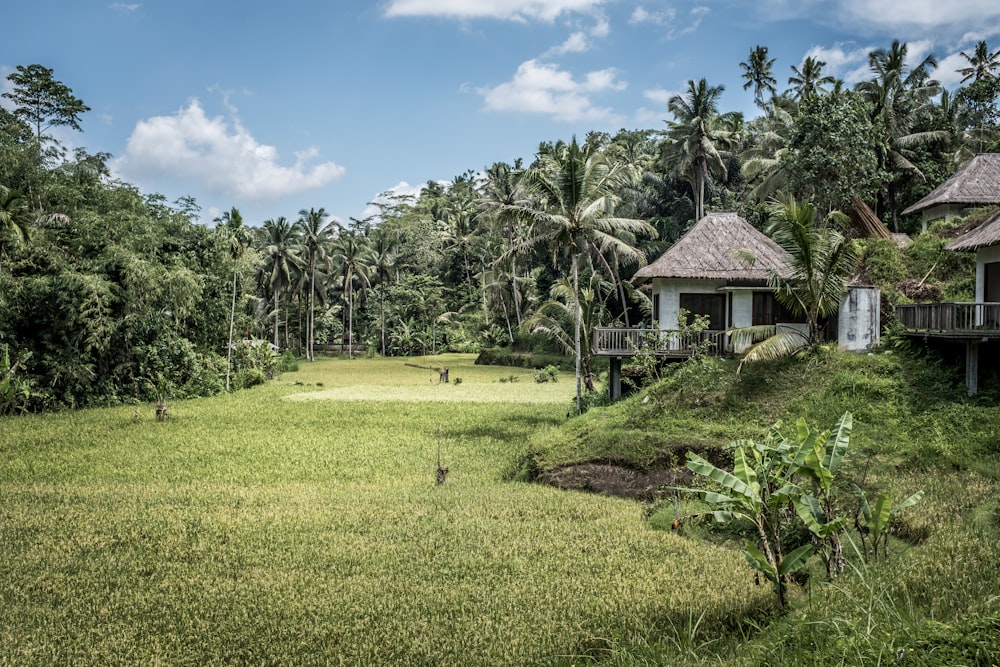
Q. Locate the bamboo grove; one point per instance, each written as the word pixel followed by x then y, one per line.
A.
pixel 109 294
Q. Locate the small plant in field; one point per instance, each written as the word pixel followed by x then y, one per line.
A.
pixel 874 520
pixel 458 380
pixel 777 484
pixel 548 374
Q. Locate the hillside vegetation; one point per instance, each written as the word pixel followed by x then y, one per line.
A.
pixel 936 600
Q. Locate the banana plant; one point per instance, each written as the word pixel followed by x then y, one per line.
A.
pixel 770 477
pixel 873 522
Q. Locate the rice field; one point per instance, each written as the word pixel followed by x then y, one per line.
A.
pixel 300 523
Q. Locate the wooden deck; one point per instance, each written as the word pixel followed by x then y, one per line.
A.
pixel 619 342
pixel 968 323
pixel 956 321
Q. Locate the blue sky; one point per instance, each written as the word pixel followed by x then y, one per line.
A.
pixel 274 107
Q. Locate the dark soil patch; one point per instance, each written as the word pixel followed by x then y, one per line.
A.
pixel 617 480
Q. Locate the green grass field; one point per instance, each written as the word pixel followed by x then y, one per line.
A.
pixel 300 523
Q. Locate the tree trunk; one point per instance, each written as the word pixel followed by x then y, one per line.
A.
pixel 277 310
pixel 576 330
pixel 232 321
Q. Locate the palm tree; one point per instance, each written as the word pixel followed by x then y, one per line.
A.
pixel 822 262
pixel 757 72
pixel 556 317
pixel 696 137
pixel 355 260
pixel 576 190
pixel 283 259
pixel 502 197
pixel 316 236
pixel 763 161
pixel 899 96
pixel 237 237
pixel 386 252
pixel 809 80
pixel 982 63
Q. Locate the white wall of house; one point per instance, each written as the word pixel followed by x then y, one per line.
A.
pixel 939 212
pixel 984 256
pixel 858 321
pixel 742 308
pixel 670 291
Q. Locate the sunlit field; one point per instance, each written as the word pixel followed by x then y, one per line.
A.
pixel 300 523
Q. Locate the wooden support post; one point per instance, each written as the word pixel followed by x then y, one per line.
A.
pixel 615 378
pixel 972 366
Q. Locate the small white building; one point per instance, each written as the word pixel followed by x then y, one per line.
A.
pixel 720 269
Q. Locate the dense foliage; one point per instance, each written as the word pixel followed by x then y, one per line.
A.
pixel 119 295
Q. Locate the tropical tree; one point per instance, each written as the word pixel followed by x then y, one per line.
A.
pixel 696 138
pixel 237 238
pixel 316 237
pixel 809 80
pixel 981 64
pixel 900 96
pixel 503 196
pixel 757 72
pixel 354 259
pixel 42 101
pixel 283 254
pixel 821 263
pixel 556 318
pixel 13 218
pixel 577 193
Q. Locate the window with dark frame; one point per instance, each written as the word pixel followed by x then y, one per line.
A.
pixel 711 305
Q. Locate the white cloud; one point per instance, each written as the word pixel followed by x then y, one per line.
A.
pixel 669 18
pixel 916 15
pixel 402 192
pixel 575 43
pixel 843 61
pixel 947 70
pixel 579 41
pixel 544 88
pixel 514 10
pixel 125 8
pixel 659 95
pixel 219 155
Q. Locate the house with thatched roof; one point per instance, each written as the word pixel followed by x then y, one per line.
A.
pixel 719 269
pixel 977 183
pixel 984 240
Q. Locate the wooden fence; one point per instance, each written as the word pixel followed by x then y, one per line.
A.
pixel 950 317
pixel 618 342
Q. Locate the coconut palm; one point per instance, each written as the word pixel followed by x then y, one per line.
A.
pixel 556 318
pixel 900 95
pixel 283 252
pixel 982 63
pixel 354 259
pixel 316 236
pixel 809 80
pixel 503 195
pixel 577 191
pixel 695 139
pixel 821 263
pixel 237 237
pixel 757 72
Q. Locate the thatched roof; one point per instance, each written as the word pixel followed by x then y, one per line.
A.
pixel 718 247
pixel 865 221
pixel 975 184
pixel 985 234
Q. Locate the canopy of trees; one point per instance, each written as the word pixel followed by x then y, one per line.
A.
pixel 108 294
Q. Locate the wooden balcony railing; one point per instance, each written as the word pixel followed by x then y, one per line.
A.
pixel 618 342
pixel 950 317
